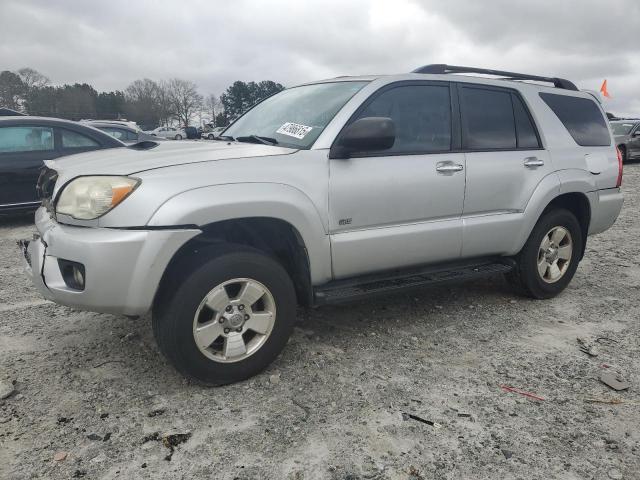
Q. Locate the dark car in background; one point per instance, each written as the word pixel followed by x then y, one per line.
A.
pixel 124 133
pixel 26 142
pixel 627 138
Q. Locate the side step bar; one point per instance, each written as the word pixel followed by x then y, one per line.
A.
pixel 339 291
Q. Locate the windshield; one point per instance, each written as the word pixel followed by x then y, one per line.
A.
pixel 622 128
pixel 294 117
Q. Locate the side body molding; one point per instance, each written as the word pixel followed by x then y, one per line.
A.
pixel 215 203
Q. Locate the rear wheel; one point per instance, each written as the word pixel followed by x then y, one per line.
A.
pixel 178 137
pixel 623 153
pixel 211 137
pixel 547 262
pixel 228 319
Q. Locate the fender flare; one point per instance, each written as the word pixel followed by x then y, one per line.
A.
pixel 211 204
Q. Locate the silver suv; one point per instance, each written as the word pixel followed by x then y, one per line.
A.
pixel 329 191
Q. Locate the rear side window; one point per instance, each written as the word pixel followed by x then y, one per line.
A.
pixel 75 140
pixel 581 117
pixel 25 139
pixel 422 116
pixel 526 135
pixel 488 119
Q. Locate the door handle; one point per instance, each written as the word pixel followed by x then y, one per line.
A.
pixel 449 168
pixel 533 162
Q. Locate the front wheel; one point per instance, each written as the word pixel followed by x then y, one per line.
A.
pixel 229 318
pixel 178 137
pixel 547 262
pixel 211 137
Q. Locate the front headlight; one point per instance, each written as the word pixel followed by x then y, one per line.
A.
pixel 86 198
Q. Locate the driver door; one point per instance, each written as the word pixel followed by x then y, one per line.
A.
pixel 400 207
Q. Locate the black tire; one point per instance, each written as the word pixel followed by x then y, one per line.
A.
pixel 623 153
pixel 178 137
pixel 173 316
pixel 211 137
pixel 525 277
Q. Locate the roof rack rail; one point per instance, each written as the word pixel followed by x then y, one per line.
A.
pixel 441 68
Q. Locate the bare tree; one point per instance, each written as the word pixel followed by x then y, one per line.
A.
pixel 184 99
pixel 213 105
pixel 33 79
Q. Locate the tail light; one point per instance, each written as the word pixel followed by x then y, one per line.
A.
pixel 619 182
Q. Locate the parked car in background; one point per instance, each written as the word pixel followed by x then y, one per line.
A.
pixel 168 132
pixel 214 133
pixel 124 123
pixel 334 190
pixel 627 137
pixel 122 132
pixel 25 142
pixel 192 133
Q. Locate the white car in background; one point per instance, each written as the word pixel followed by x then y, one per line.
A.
pixel 168 132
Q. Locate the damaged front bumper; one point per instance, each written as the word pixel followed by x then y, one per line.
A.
pixel 121 269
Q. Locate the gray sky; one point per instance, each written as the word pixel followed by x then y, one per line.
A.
pixel 111 43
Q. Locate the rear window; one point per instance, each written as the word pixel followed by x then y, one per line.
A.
pixel 581 117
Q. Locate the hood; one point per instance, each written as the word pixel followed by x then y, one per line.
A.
pixel 127 161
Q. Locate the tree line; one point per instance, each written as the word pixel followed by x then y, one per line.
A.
pixel 148 102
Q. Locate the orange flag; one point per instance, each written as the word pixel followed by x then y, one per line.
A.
pixel 603 89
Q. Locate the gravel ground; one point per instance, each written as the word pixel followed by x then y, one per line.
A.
pixel 93 387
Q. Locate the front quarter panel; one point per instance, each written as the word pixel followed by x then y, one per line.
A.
pixel 213 204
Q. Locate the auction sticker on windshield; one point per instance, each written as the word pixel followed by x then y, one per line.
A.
pixel 294 130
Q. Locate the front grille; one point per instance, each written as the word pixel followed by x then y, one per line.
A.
pixel 45 186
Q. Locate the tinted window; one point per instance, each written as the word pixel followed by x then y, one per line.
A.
pixel 75 140
pixel 487 117
pixel 525 131
pixel 421 113
pixel 118 133
pixel 582 118
pixel 25 139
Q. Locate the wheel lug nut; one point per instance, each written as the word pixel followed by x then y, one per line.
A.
pixel 239 329
pixel 240 307
pixel 229 308
pixel 227 330
pixel 246 317
pixel 222 319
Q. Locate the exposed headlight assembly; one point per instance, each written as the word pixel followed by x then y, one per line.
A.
pixel 87 198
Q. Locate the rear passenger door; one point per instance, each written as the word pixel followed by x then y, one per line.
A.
pixel 402 206
pixel 22 151
pixel 505 163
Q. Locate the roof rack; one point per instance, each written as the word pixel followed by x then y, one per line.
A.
pixel 441 68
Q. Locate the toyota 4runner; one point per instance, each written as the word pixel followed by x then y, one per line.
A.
pixel 326 192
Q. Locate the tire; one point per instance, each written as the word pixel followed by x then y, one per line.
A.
pixel 210 137
pixel 175 324
pixel 623 153
pixel 178 137
pixel 532 259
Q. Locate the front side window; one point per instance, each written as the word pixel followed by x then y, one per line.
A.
pixel 294 117
pixel 25 139
pixel 118 133
pixel 76 140
pixel 422 117
pixel 581 117
pixel 488 119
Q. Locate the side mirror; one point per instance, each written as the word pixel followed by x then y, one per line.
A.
pixel 366 134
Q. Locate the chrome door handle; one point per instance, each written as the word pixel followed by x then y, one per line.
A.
pixel 449 168
pixel 533 162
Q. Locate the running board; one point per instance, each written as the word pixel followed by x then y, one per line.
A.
pixel 339 291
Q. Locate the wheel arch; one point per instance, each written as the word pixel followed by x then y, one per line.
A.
pixel 271 236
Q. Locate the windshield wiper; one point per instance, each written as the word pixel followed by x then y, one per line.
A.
pixel 257 139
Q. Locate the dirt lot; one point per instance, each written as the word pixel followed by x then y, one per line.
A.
pixel 95 387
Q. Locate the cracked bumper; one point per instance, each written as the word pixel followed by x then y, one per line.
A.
pixel 123 267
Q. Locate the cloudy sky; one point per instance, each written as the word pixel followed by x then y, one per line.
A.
pixel 111 43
